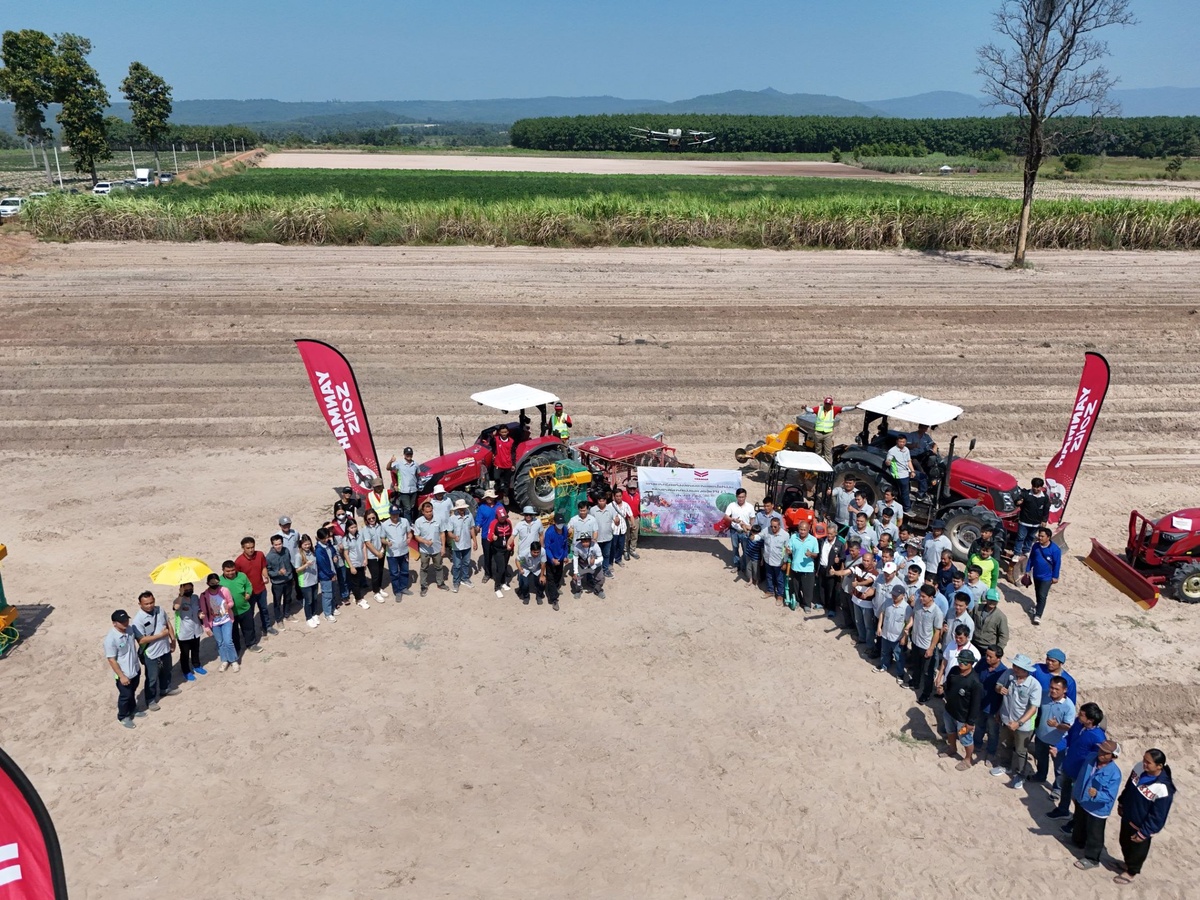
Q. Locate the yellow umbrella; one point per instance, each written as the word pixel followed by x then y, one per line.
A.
pixel 181 570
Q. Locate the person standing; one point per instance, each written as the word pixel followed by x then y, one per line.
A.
pixel 498 546
pixel 396 532
pixel 775 550
pixel 557 548
pixel 863 532
pixel 897 511
pixel 282 573
pixel 987 564
pixel 921 634
pixel 156 641
pixel 253 564
pixel 309 581
pixel 840 499
pixel 431 544
pixel 347 501
pixel 828 563
pixel 740 514
pixel 900 467
pixel 583 522
pixel 1022 697
pixel 991 624
pixel 1043 565
pixel 1095 793
pixel 375 553
pixel 121 653
pixel 962 694
pixel 632 497
pixel 803 552
pixel 529 529
pixel 825 418
pixel 1082 739
pixel 1033 511
pixel 462 541
pixel 485 514
pixel 216 614
pixel 987 732
pixel 240 589
pixel 1143 807
pixel 1055 664
pixel 863 576
pixel 560 423
pixel 622 515
pixel 936 543
pixel 188 631
pixel 1054 720
pixel 960 645
pixel 354 554
pixel 407 473
pixel 377 501
pixel 326 554
pixel 890 631
pixel 503 453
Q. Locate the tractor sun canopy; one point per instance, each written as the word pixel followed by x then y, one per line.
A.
pixel 514 397
pixel 802 461
pixel 911 408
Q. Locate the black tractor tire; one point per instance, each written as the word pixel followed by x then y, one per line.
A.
pixel 1185 583
pixel 540 495
pixel 963 527
pixel 870 483
pixel 472 503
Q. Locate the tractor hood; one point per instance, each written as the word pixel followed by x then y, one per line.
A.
pixel 1185 521
pixel 984 477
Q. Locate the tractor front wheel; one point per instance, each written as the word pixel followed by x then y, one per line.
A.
pixel 868 482
pixel 536 492
pixel 963 527
pixel 1186 583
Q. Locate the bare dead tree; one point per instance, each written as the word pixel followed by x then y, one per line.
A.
pixel 1046 66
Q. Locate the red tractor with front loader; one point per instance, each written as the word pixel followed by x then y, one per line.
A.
pixel 1159 553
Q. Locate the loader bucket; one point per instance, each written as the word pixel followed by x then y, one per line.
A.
pixel 1121 575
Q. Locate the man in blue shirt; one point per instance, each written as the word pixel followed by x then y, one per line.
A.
pixel 1095 793
pixel 990 669
pixel 556 547
pixel 485 514
pixel 1043 565
pixel 1054 665
pixel 1055 719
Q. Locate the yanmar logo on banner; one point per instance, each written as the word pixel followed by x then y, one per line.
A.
pixel 700 474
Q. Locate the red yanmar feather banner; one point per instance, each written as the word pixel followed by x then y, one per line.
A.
pixel 1064 467
pixel 337 395
pixel 31 866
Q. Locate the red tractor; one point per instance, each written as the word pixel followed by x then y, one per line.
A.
pixel 613 459
pixel 1157 552
pixel 962 492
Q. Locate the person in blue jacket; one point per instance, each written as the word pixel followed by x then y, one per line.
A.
pixel 1143 808
pixel 1095 793
pixel 1043 565
pixel 1055 664
pixel 1082 739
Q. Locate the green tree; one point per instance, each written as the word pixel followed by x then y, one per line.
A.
pixel 27 80
pixel 1046 68
pixel 149 98
pixel 78 88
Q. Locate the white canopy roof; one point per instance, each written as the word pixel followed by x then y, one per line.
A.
pixel 911 408
pixel 802 461
pixel 513 397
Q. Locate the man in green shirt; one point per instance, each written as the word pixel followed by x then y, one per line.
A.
pixel 239 588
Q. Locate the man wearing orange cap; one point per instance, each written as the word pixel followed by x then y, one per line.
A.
pixel 823 427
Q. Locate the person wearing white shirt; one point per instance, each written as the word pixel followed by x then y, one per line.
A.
pixel 741 518
pixel 623 515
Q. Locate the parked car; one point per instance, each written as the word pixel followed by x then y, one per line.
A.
pixel 10 206
pixel 166 177
pixel 102 187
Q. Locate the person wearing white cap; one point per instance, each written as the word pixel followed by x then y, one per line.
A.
pixel 1022 696
pixel 463 540
pixel 443 506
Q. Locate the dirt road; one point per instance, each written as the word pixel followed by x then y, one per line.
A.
pixel 681 738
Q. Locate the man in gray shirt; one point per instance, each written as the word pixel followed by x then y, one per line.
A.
pixel 603 514
pixel 528 530
pixel 157 641
pixel 841 498
pixel 1022 696
pixel 406 482
pixel 431 536
pixel 889 502
pixel 443 506
pixel 396 531
pixel 582 523
pixel 863 532
pixel 922 631
pixel 774 542
pixel 935 542
pixel 462 533
pixel 121 652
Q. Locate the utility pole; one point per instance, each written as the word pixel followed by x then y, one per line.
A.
pixel 175 156
pixel 57 166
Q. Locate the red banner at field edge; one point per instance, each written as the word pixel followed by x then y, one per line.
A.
pixel 31 866
pixel 338 398
pixel 1064 467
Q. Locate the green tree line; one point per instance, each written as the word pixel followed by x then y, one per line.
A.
pixel 1147 136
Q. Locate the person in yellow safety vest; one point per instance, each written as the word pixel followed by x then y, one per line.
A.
pixel 379 500
pixel 560 425
pixel 826 413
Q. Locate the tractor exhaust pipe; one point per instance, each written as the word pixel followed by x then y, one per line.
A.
pixel 441 446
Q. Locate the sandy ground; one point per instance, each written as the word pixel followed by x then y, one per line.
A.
pixel 668 165
pixel 681 738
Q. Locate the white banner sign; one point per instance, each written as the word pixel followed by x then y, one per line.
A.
pixel 686 502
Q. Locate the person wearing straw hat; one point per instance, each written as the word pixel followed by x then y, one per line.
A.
pixel 463 540
pixel 1022 696
pixel 121 653
pixel 1095 793
pixel 485 514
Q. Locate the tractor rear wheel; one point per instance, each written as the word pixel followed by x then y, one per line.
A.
pixel 1186 583
pixel 963 527
pixel 870 483
pixel 536 492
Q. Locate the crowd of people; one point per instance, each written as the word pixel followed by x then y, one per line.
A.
pixel 938 629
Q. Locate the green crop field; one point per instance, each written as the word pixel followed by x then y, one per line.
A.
pixel 407 186
pixel 407 207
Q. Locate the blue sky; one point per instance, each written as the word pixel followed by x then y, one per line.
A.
pixel 660 49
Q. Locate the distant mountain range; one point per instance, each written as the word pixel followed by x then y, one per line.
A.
pixel 1166 101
